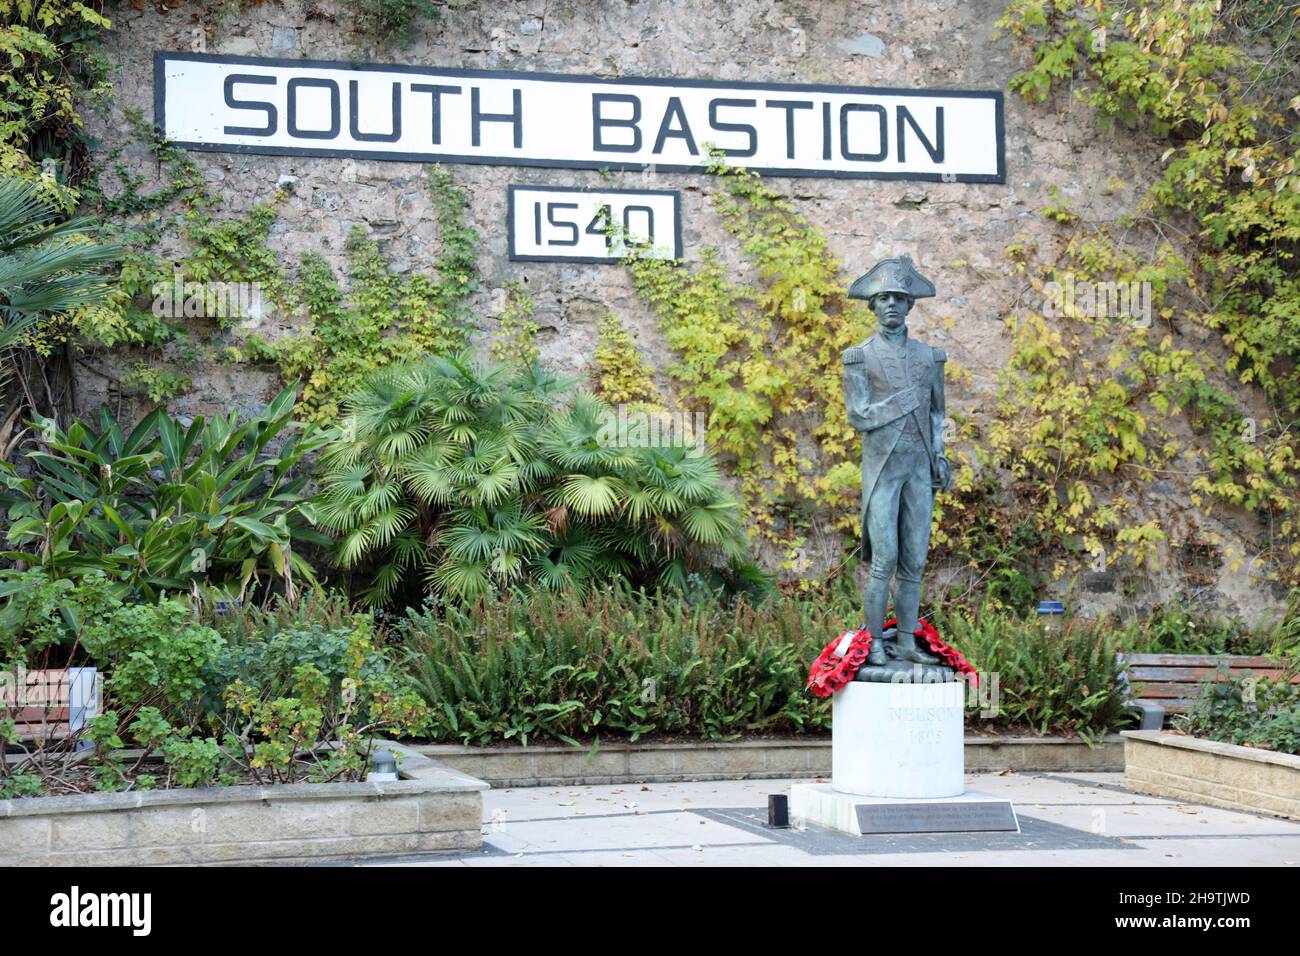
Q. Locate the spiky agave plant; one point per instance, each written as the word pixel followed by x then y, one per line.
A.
pixel 473 478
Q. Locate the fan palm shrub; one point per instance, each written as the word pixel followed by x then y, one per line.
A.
pixel 465 478
pixel 47 267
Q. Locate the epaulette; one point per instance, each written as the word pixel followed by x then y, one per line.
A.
pixel 940 355
pixel 853 356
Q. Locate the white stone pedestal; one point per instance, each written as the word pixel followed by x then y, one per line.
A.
pixel 898 740
pixel 821 804
pixel 898 765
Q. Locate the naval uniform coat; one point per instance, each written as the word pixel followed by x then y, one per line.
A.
pixel 882 387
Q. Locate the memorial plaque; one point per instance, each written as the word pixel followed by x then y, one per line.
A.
pixel 965 816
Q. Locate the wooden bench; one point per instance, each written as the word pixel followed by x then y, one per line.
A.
pixel 1171 683
pixel 49 704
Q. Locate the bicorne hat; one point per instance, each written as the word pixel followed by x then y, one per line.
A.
pixel 892 275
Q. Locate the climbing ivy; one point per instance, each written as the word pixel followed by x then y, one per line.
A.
pixel 515 342
pixel 1091 408
pixel 134 218
pixel 52 65
pixel 385 316
pixel 1231 162
pixel 159 384
pixel 620 375
pixel 237 250
pixel 764 360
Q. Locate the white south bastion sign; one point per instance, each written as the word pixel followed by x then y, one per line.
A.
pixel 428 114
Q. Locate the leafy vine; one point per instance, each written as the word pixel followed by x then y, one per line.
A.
pixel 764 361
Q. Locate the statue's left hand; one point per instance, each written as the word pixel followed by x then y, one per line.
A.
pixel 944 478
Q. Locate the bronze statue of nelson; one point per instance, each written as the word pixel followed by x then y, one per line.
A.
pixel 893 389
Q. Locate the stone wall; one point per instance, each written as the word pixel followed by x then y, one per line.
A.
pixel 1206 771
pixel 553 765
pixel 956 232
pixel 432 809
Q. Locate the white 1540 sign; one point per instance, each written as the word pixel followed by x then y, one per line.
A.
pixel 560 224
pixel 426 114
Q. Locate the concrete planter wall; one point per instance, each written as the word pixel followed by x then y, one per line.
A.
pixel 1205 771
pixel 615 763
pixel 435 809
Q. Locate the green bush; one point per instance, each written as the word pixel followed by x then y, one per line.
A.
pixel 1064 679
pixel 278 705
pixel 390 24
pixel 469 478
pixel 167 506
pixel 620 662
pixel 1175 629
pixel 153 653
pixel 40 616
pixel 1249 711
pixel 625 663
pixel 1049 681
pixel 265 647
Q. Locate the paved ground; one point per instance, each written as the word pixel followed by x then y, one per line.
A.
pixel 1085 819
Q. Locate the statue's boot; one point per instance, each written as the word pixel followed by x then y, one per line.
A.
pixel 907 601
pixel 876 656
pixel 908 651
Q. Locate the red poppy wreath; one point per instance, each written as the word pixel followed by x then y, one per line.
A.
pixel 936 645
pixel 833 670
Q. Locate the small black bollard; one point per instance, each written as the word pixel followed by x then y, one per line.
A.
pixel 778 811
